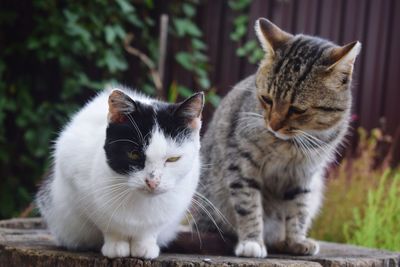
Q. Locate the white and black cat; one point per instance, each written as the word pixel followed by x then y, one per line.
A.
pixel 125 170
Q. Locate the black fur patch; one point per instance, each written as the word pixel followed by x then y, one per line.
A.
pixel 236 185
pixel 241 211
pixel 294 192
pixel 122 138
pixel 252 183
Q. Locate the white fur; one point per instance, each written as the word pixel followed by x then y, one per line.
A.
pixel 89 208
pixel 266 46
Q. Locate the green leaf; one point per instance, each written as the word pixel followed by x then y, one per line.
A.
pixel 109 34
pixel 113 62
pixel 241 51
pixel 185 26
pixel 239 4
pixel 241 20
pixel 134 20
pixel 239 32
pixel 184 91
pixel 257 55
pixel 188 9
pixel 192 29
pixel 70 16
pixel 213 98
pixel 149 3
pixel 119 31
pixel 198 44
pixel 185 59
pixel 180 27
pixel 198 56
pixel 204 82
pixel 125 6
pixel 33 43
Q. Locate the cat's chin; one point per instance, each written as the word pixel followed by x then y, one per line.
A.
pixel 147 192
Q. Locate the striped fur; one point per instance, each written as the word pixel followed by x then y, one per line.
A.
pixel 271 138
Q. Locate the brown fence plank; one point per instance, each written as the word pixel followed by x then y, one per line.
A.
pixel 230 67
pixel 391 106
pixel 353 29
pixel 211 23
pixel 374 54
pixel 307 17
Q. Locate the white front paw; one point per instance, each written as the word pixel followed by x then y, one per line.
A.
pixel 250 248
pixel 114 249
pixel 145 249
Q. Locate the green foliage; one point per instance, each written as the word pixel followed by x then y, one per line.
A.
pixel 377 223
pixel 61 55
pixel 361 205
pixel 249 49
pixel 193 58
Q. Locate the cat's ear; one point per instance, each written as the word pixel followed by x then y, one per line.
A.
pixel 270 36
pixel 119 105
pixel 190 110
pixel 343 57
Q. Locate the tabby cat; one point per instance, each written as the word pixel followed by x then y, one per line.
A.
pixel 271 138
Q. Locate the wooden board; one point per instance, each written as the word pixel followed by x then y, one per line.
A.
pixel 26 242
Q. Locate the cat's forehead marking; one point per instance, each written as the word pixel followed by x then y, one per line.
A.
pixel 295 65
pixel 157 147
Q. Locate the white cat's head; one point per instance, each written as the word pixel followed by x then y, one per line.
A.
pixel 152 146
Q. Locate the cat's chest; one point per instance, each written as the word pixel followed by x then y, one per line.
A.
pixel 277 164
pixel 284 168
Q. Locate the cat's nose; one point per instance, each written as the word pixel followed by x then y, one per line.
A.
pixel 276 124
pixel 152 183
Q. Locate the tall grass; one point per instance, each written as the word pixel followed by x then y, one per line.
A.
pixel 378 223
pixel 362 204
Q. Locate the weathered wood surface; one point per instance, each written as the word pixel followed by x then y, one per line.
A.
pixel 26 242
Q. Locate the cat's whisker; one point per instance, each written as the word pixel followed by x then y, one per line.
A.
pixel 299 146
pixel 136 127
pixel 252 114
pixel 209 216
pixel 101 210
pixel 224 219
pixel 197 228
pixel 123 197
pixel 244 124
pixel 330 146
pixel 109 190
pixel 114 201
pixel 304 148
pixel 123 140
pixel 319 146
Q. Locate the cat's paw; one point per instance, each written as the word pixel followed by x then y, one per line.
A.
pixel 304 247
pixel 251 248
pixel 116 249
pixel 145 249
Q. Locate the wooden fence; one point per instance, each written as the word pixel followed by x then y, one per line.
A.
pixel 372 22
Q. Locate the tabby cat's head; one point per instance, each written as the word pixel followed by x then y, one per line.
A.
pixel 303 83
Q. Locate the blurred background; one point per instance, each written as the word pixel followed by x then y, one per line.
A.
pixel 55 55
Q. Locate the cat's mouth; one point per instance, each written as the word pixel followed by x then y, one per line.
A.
pixel 286 135
pixel 152 192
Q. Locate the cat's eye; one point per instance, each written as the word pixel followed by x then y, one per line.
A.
pixel 296 110
pixel 266 100
pixel 133 155
pixel 173 159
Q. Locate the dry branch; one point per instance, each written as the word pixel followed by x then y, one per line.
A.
pixel 147 61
